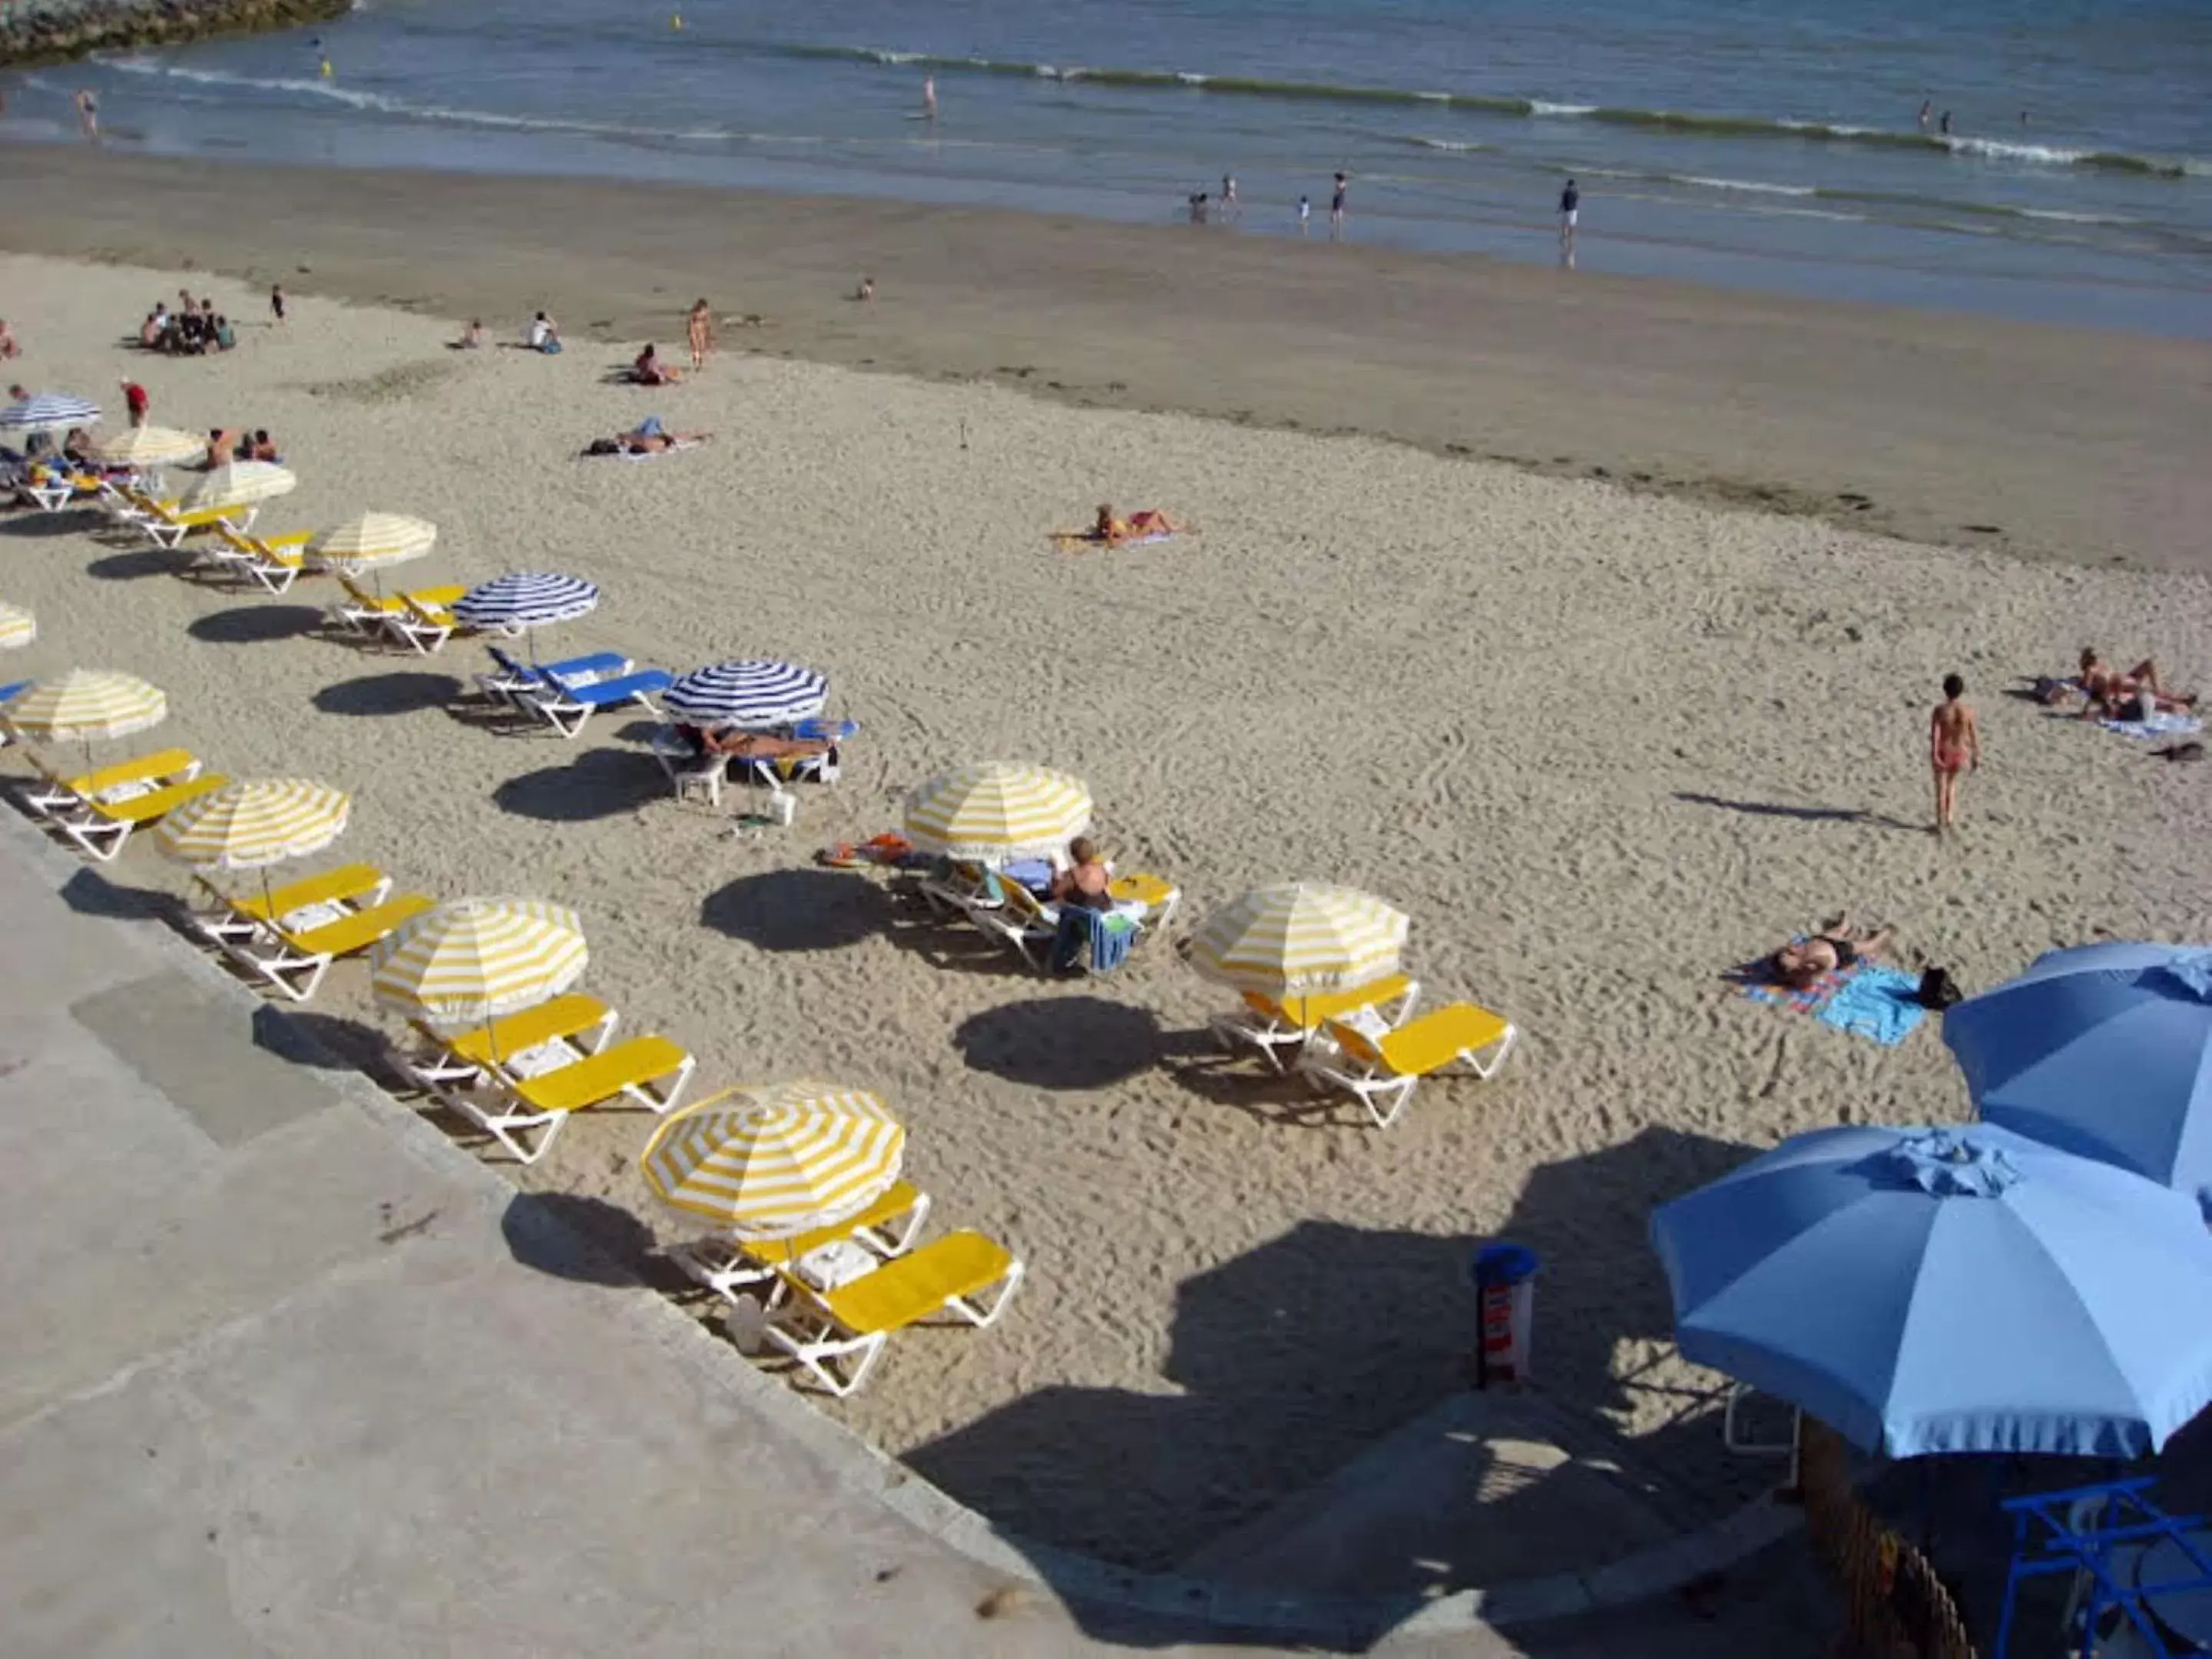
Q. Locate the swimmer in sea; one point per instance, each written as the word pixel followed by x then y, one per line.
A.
pixel 929 96
pixel 88 114
pixel 1954 744
pixel 1336 208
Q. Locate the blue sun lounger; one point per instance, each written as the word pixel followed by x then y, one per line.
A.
pixel 568 703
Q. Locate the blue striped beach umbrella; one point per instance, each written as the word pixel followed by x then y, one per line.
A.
pixel 747 693
pixel 525 599
pixel 47 411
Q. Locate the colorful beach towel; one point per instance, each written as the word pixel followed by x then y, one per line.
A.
pixel 1751 980
pixel 1875 1002
pixel 1075 541
pixel 2162 725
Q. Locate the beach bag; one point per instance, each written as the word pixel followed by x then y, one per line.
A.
pixel 1936 990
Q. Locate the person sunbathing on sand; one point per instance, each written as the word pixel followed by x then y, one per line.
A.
pixel 1137 526
pixel 647 369
pixel 2136 695
pixel 650 440
pixel 1799 964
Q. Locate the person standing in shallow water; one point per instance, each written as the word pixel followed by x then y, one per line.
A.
pixel 1954 744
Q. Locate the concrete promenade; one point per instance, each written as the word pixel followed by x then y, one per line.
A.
pixel 286 1373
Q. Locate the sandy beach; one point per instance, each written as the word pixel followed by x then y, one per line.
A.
pixel 1602 742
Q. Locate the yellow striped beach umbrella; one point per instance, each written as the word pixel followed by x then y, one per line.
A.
pixel 256 824
pixel 1299 937
pixel 148 448
pixel 86 703
pixel 18 627
pixel 996 811
pixel 371 542
pixel 477 959
pixel 772 1162
pixel 242 483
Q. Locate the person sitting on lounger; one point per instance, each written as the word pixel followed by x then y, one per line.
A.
pixel 1136 527
pixel 1083 883
pixel 647 369
pixel 1799 964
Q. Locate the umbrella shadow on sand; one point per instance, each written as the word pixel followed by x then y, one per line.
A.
pixel 798 910
pixel 255 624
pixel 600 783
pixel 403 692
pixel 1080 1042
pixel 129 566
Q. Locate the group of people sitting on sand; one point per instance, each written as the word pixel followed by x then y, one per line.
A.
pixel 193 329
pixel 2112 693
pixel 227 444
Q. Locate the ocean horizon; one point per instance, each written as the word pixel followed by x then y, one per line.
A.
pixel 2000 157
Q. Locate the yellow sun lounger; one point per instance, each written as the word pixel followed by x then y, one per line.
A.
pixel 231 917
pixel 167 527
pixel 275 562
pixel 836 1336
pixel 293 962
pixel 1273 1026
pixel 575 1025
pixel 1382 1069
pixel 102 824
pixel 137 777
pixel 630 1069
pixel 726 1265
pixel 363 612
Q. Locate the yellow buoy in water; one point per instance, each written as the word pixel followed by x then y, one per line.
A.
pixel 676 20
pixel 328 72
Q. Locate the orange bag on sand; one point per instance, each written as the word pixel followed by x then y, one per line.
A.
pixel 887 849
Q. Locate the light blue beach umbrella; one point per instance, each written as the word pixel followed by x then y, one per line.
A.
pixel 46 411
pixel 746 694
pixel 1954 1290
pixel 2105 1051
pixel 523 601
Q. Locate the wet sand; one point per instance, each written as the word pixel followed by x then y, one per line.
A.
pixel 2077 445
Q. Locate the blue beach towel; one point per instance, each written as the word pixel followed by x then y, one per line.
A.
pixel 1875 1002
pixel 2163 725
pixel 1111 933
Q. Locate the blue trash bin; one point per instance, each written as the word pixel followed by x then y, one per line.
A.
pixel 1504 1278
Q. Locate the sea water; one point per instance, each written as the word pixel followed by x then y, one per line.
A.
pixel 1763 143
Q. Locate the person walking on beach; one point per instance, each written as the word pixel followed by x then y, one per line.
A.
pixel 277 303
pixel 1336 209
pixel 698 326
pixel 1570 211
pixel 135 400
pixel 88 114
pixel 1954 744
pixel 1305 215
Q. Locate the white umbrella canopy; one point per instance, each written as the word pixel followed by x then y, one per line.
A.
pixel 477 959
pixel 998 811
pixel 18 627
pixel 143 448
pixel 86 703
pixel 773 1161
pixel 240 483
pixel 254 823
pixel 372 541
pixel 1299 938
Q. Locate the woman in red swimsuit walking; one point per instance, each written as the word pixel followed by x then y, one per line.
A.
pixel 1954 743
